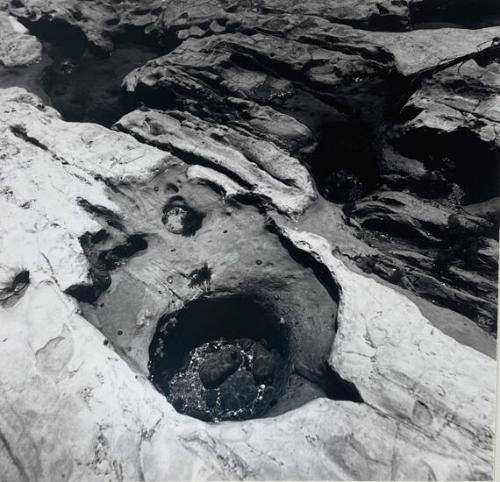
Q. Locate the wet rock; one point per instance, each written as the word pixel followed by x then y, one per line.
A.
pixel 264 365
pixel 210 398
pixel 238 392
pixel 343 186
pixel 436 246
pixel 455 118
pixel 184 15
pixel 218 366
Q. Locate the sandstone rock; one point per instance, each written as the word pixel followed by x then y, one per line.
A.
pixel 422 50
pixel 257 167
pixel 439 245
pixel 370 14
pixel 361 344
pixel 17 46
pixel 191 18
pixel 94 22
pixel 119 258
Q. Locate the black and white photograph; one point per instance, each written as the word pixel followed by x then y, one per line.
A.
pixel 249 240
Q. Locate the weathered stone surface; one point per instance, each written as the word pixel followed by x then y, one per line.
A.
pixel 369 14
pixel 189 17
pixel 258 167
pixel 60 361
pixel 17 46
pixel 94 22
pixel 107 243
pixel 365 345
pixel 426 49
pixel 438 254
pixel 351 70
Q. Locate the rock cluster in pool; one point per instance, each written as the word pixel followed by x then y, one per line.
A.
pixel 225 380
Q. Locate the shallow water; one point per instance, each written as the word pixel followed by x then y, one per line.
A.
pixel 26 77
pixel 82 90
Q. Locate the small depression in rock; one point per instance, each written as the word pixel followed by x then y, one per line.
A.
pixel 221 359
pixel 179 218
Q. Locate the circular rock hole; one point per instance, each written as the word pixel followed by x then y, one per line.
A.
pixel 179 218
pixel 221 359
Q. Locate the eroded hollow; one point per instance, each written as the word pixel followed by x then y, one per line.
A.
pixel 221 359
pixel 179 218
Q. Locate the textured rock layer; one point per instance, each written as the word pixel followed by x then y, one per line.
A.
pixel 315 185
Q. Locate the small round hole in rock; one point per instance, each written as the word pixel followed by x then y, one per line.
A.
pixel 221 359
pixel 179 218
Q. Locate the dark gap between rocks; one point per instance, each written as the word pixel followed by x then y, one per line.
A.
pixel 344 164
pixel 455 13
pixel 458 157
pixel 10 294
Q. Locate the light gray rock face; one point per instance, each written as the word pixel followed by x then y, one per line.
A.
pixel 257 167
pixel 17 46
pixel 290 182
pixel 372 15
pixel 428 401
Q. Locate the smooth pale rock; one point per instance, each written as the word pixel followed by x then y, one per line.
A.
pixel 429 401
pixel 465 96
pixel 383 336
pixel 17 47
pixel 421 50
pixel 259 167
pixel 34 161
pixel 120 427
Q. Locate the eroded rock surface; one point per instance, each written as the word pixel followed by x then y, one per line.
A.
pixel 294 231
pixel 96 23
pixel 17 47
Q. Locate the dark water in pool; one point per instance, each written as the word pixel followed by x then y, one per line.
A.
pixel 85 89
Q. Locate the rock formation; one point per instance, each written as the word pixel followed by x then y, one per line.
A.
pixel 276 258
